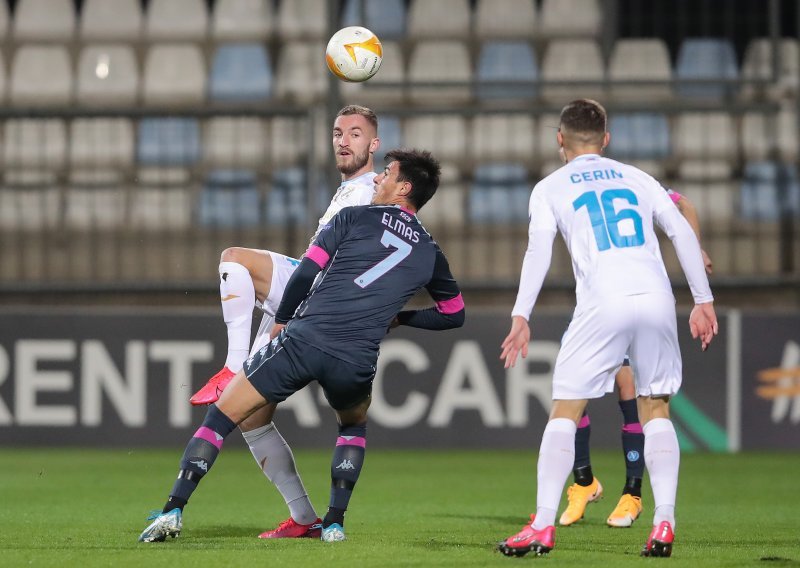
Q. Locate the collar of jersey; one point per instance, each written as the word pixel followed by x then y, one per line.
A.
pixel 360 179
pixel 585 157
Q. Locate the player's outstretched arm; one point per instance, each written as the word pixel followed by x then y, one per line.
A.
pixel 703 323
pixel 516 342
pixel 689 212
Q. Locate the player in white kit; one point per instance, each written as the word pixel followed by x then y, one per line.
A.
pixel 606 211
pixel 252 278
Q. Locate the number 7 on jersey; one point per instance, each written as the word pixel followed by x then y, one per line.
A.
pixel 388 240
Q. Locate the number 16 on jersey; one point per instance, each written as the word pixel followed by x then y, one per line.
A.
pixel 605 220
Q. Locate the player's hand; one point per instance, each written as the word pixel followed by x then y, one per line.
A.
pixel 276 329
pixel 703 323
pixel 707 262
pixel 516 341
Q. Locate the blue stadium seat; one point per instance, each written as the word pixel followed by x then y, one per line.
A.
pixel 760 196
pixel 709 59
pixel 286 201
pixel 241 72
pixel 385 18
pixel 499 194
pixel 229 199
pixel 503 63
pixel 639 136
pixel 168 141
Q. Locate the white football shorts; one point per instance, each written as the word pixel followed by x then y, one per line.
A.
pixel 282 268
pixel 599 337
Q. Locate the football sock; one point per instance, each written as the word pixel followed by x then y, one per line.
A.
pixel 582 469
pixel 348 459
pixel 276 460
pixel 556 456
pixel 238 296
pixel 632 447
pixel 662 456
pixel 199 456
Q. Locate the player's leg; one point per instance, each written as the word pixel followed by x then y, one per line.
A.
pixel 629 506
pixel 655 357
pixel 239 401
pixel 556 457
pixel 276 460
pixel 587 488
pixel 245 275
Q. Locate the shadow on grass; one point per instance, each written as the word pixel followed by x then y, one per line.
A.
pixel 439 544
pixel 226 531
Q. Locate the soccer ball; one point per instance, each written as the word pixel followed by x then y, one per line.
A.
pixel 354 54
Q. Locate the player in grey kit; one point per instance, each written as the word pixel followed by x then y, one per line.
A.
pixel 348 290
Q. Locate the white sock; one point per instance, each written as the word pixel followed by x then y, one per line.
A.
pixel 556 457
pixel 262 335
pixel 276 460
pixel 238 296
pixel 662 457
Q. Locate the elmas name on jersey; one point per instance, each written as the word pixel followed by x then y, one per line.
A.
pixel 400 228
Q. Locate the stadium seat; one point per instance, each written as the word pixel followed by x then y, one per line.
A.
pixel 241 20
pixel 176 20
pixel 715 203
pixel 545 142
pixel 235 142
pixel 108 76
pixel 640 60
pixel 286 201
pixel 303 19
pixel 763 133
pixel 391 134
pixel 439 20
pixel 445 61
pixel 174 75
pixel 499 137
pixel 101 150
pixel 168 142
pixel 507 70
pixel 757 65
pixel 445 135
pixel 705 135
pixel 570 18
pixel 230 199
pixel 44 20
pixel 240 72
pixel 708 59
pixel 639 136
pixel 568 61
pixel 111 20
pixel 761 197
pixel 500 193
pixel 41 75
pixel 94 208
pixel 302 75
pixel 385 18
pixel 160 208
pixel 30 208
pixel 34 150
pixel 375 91
pixel 505 19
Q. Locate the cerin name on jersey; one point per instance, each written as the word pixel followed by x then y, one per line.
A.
pixel 400 228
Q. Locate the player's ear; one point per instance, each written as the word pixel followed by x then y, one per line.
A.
pixel 560 138
pixel 374 145
pixel 606 140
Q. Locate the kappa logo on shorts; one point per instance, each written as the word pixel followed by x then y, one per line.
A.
pixel 346 465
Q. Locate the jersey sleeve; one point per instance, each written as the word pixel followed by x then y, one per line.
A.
pixel 331 235
pixel 449 311
pixel 541 234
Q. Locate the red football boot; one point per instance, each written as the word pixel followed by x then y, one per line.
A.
pixel 211 391
pixel 529 540
pixel 291 529
pixel 659 543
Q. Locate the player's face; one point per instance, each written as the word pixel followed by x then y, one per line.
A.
pixel 387 188
pixel 353 140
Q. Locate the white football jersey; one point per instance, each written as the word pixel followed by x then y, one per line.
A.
pixel 605 211
pixel 352 192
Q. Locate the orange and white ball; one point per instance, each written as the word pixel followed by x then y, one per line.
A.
pixel 354 54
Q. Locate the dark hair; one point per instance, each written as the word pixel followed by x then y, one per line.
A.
pixel 584 121
pixel 367 113
pixel 421 169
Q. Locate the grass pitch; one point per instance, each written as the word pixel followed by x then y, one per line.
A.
pixel 411 508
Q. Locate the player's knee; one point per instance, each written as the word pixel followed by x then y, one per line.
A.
pixel 232 254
